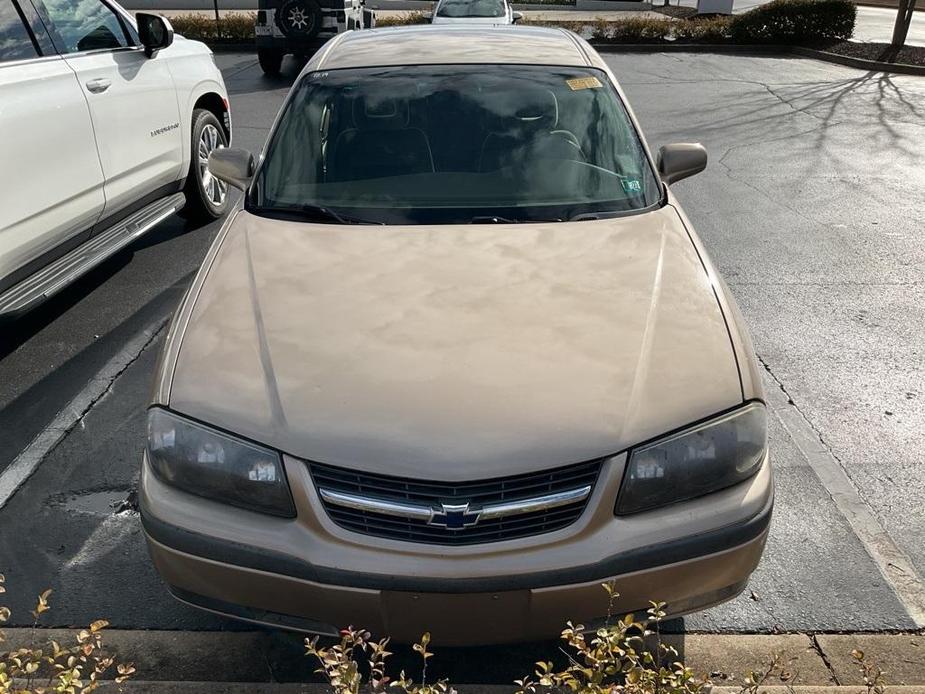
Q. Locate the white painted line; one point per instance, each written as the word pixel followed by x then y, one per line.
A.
pixel 28 461
pixel 107 537
pixel 897 569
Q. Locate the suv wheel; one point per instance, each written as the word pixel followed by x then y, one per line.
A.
pixel 300 19
pixel 206 196
pixel 270 61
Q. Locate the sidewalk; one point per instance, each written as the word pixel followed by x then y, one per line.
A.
pixel 175 661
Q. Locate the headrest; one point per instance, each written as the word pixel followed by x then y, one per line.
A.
pixel 527 108
pixel 375 112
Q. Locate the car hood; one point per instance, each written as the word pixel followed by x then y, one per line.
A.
pixel 455 352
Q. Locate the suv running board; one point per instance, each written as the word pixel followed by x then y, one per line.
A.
pixel 53 277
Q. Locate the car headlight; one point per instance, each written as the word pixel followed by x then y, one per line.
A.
pixel 696 461
pixel 209 463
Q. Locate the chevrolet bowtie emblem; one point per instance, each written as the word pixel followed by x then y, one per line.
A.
pixel 454 516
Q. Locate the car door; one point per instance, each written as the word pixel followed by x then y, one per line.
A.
pixel 51 180
pixel 132 101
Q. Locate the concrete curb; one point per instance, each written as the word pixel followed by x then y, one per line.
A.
pixel 816 664
pixel 146 687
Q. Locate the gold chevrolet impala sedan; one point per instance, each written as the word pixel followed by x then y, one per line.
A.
pixel 455 359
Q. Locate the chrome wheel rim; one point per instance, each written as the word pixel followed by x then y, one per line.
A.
pixel 214 190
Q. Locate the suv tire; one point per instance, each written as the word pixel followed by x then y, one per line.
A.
pixel 270 61
pixel 206 196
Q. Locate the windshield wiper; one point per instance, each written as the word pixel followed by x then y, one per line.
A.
pixel 492 219
pixel 315 212
pixel 593 216
pixel 327 213
pixel 495 219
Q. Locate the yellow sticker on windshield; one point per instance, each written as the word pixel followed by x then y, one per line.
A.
pixel 577 83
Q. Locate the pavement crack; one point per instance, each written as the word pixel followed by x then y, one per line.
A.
pixel 867 524
pixel 784 100
pixel 271 673
pixel 825 659
pixel 110 378
pixel 803 416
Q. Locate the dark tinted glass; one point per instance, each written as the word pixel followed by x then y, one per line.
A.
pixel 450 144
pixel 15 42
pixel 471 8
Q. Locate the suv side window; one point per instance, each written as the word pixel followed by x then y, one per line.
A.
pixel 15 39
pixel 85 25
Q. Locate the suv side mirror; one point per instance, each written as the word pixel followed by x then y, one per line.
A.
pixel 233 166
pixel 428 16
pixel 678 161
pixel 154 31
pixel 516 16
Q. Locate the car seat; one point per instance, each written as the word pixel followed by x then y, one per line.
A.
pixel 382 143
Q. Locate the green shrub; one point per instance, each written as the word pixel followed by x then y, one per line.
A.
pixel 406 19
pixel 632 30
pixel 783 22
pixel 795 22
pixel 233 27
pixel 577 26
pixel 705 30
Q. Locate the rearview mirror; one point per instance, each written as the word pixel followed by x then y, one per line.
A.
pixel 233 166
pixel 154 31
pixel 678 161
pixel 516 17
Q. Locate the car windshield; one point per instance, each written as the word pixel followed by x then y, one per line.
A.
pixel 454 144
pixel 471 8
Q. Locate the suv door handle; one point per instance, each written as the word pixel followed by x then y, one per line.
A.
pixel 100 84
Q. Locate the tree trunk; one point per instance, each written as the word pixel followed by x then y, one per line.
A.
pixel 903 20
pixel 218 22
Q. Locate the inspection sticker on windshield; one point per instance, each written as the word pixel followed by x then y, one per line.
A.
pixel 631 185
pixel 577 83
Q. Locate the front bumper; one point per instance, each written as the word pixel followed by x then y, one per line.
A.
pixel 308 574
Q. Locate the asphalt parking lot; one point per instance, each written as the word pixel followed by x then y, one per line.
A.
pixel 811 207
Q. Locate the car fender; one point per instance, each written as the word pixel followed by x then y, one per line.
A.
pixel 195 75
pixel 746 357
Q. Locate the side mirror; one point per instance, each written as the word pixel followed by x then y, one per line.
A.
pixel 678 161
pixel 516 17
pixel 154 31
pixel 233 166
pixel 428 16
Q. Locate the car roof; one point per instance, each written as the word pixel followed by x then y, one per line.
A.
pixel 454 44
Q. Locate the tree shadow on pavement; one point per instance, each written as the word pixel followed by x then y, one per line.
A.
pixel 873 98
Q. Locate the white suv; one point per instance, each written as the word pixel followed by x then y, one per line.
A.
pixel 106 125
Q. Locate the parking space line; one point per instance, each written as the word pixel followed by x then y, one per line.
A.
pixel 896 568
pixel 29 459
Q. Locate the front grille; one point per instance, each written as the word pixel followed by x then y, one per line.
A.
pixel 477 494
